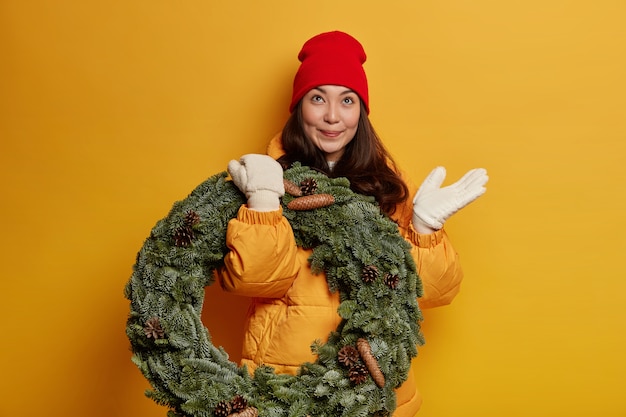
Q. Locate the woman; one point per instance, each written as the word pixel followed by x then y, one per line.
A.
pixel 329 130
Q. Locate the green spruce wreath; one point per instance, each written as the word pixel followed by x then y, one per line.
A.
pixel 363 257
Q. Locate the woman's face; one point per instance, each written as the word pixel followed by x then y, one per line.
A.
pixel 330 116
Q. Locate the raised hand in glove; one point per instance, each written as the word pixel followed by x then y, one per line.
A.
pixel 260 178
pixel 433 205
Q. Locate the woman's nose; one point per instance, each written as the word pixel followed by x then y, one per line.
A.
pixel 332 115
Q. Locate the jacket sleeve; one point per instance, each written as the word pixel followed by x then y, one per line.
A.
pixel 262 258
pixel 438 267
pixel 436 259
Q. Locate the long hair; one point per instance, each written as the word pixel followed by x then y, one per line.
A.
pixel 365 162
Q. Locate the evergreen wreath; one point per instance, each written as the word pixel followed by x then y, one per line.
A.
pixel 363 257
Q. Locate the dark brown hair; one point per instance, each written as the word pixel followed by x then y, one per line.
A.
pixel 365 163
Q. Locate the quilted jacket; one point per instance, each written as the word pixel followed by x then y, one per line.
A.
pixel 290 307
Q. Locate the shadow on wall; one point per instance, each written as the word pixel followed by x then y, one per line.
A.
pixel 224 315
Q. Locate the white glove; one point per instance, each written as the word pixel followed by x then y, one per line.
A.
pixel 433 205
pixel 260 178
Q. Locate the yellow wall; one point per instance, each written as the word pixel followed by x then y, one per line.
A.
pixel 111 111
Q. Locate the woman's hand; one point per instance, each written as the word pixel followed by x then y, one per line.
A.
pixel 433 205
pixel 260 178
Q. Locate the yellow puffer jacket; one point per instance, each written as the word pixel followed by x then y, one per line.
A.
pixel 291 307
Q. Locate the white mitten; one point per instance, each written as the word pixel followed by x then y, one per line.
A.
pixel 433 205
pixel 260 178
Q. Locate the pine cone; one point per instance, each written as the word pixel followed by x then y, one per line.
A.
pixel 183 236
pixel 310 202
pixel 308 186
pixel 153 328
pixel 348 355
pixel 238 403
pixel 191 218
pixel 358 373
pixel 184 233
pixel 291 188
pixel 370 362
pixel 369 274
pixel 248 412
pixel 391 281
pixel 222 409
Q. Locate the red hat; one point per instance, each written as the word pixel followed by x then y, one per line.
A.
pixel 333 58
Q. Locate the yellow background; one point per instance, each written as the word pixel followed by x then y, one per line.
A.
pixel 111 111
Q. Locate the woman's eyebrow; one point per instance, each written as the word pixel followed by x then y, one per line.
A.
pixel 347 91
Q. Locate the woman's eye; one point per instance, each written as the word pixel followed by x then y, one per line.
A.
pixel 348 100
pixel 317 99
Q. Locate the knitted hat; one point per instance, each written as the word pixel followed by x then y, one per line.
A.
pixel 331 58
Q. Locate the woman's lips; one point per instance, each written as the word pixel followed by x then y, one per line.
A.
pixel 330 134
